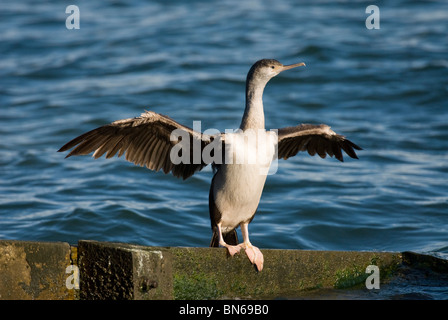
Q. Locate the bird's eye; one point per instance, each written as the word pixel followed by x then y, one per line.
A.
pixel 272 67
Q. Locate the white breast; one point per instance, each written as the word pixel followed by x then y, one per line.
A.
pixel 239 182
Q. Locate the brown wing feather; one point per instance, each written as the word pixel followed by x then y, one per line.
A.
pixel 315 139
pixel 144 140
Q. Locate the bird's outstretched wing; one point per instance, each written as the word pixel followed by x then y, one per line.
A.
pixel 318 139
pixel 145 141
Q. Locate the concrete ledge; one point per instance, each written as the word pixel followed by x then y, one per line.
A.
pixel 44 270
pixel 34 270
pixel 123 271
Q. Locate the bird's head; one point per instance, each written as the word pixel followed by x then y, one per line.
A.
pixel 268 68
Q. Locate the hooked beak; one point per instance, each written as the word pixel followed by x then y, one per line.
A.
pixel 292 66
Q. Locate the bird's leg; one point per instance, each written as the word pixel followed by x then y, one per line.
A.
pixel 253 253
pixel 232 249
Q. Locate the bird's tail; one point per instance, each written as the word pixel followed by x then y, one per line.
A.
pixel 229 238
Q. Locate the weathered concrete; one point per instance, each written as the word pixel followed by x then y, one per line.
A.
pixel 38 270
pixel 34 270
pixel 423 261
pixel 123 271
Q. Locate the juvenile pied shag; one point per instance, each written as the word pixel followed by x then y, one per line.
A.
pixel 237 185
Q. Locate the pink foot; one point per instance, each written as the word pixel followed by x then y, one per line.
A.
pixel 233 249
pixel 255 256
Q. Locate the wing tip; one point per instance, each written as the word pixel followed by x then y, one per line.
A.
pixel 63 149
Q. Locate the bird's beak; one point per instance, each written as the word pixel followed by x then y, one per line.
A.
pixel 292 66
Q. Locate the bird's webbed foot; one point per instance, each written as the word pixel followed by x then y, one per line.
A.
pixel 255 256
pixel 233 249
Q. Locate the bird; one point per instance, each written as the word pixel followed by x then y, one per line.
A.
pixel 240 157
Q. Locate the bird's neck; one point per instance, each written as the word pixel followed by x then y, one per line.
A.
pixel 253 117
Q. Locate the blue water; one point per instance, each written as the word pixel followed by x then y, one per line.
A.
pixel 385 89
